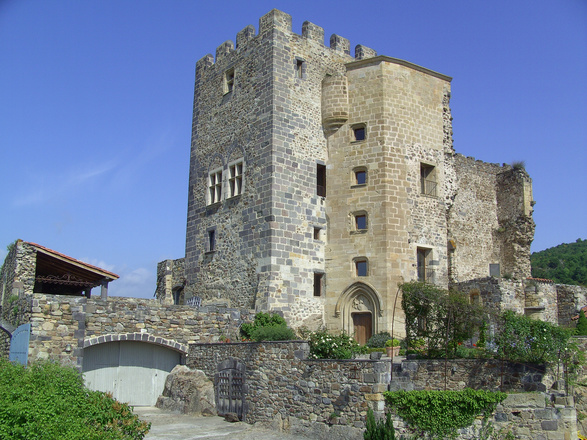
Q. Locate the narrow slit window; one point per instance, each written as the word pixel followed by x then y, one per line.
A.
pixel 321 180
pixel 318 284
pixel 300 68
pixel 428 179
pixel 235 178
pixel 211 240
pixel 228 81
pixel 423 263
pixel 215 186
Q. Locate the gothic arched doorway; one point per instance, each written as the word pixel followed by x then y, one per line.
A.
pixel 359 307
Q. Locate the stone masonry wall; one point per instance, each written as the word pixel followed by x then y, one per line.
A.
pixel 282 382
pixel 17 283
pixel 472 219
pixel 537 298
pixel 170 276
pixel 570 300
pixel 458 374
pixel 59 320
pixel 4 343
pixel 286 390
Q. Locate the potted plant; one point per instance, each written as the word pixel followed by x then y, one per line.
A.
pixel 392 347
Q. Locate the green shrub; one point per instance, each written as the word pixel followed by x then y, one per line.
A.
pixel 442 318
pixel 523 339
pixel 48 402
pixel 392 343
pixel 582 324
pixel 379 430
pixel 273 333
pixel 439 414
pixel 261 320
pixel 378 340
pixel 323 345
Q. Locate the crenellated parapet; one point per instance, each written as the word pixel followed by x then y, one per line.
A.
pixel 276 20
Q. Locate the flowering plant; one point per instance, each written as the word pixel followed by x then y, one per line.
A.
pixel 323 345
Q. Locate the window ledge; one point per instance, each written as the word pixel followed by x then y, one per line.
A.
pixel 358 185
pixel 359 232
pixel 210 252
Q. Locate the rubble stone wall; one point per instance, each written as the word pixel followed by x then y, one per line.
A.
pixel 59 320
pixel 282 382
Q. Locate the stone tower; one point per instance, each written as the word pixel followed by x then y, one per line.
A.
pixel 319 182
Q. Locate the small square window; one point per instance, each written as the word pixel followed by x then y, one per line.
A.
pixel 316 233
pixel 318 284
pixel 361 222
pixel 359 132
pixel 228 81
pixel 361 267
pixel 360 177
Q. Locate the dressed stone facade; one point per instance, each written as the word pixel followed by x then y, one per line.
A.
pixel 320 181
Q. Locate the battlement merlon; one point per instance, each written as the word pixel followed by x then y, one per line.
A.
pixel 281 21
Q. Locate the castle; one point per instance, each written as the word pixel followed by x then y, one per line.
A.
pixel 319 182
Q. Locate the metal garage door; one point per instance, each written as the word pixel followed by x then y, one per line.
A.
pixel 133 372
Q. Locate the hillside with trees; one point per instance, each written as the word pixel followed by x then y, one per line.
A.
pixel 565 263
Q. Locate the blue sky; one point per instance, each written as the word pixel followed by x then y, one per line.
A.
pixel 96 101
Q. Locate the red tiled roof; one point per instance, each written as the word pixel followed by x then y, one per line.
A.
pixel 73 260
pixel 541 280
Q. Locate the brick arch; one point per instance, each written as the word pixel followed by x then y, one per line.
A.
pixel 137 337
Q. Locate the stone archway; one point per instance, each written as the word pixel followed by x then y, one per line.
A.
pixel 359 308
pixel 133 367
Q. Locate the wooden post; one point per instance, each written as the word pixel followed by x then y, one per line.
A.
pixel 104 290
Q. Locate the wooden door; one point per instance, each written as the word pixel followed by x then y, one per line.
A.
pixel 363 324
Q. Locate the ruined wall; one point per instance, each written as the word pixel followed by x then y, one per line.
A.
pixel 570 300
pixel 472 219
pixel 170 279
pixel 17 283
pixel 537 298
pixel 490 220
pixel 59 320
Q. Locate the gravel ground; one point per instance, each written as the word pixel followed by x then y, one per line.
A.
pixel 171 426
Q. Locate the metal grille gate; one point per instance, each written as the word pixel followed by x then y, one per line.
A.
pixel 230 388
